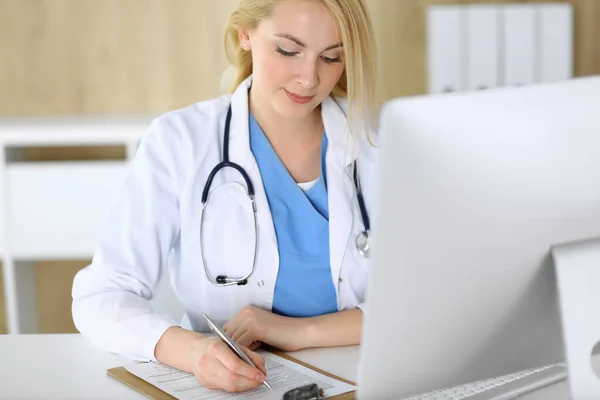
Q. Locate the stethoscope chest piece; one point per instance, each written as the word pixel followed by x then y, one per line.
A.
pixel 363 244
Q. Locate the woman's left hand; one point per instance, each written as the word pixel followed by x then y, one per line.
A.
pixel 252 326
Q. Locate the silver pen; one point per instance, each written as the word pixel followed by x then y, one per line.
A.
pixel 232 345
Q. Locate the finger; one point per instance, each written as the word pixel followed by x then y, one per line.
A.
pixel 232 325
pixel 254 345
pixel 246 339
pixel 234 382
pixel 235 364
pixel 238 333
pixel 257 359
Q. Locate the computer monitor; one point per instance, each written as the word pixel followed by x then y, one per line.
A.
pixel 474 190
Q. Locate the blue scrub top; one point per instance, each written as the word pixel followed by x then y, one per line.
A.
pixel 304 285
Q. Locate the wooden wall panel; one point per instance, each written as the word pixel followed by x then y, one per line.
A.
pixel 36 73
pixel 132 56
pixel 587 37
pixel 54 281
pixel 401 54
pixel 109 56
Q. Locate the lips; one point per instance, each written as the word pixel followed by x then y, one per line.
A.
pixel 296 98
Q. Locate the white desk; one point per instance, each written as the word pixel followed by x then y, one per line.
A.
pixel 68 367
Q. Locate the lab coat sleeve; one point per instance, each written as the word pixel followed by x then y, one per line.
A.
pixel 362 307
pixel 111 297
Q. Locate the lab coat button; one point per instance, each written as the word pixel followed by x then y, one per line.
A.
pixel 340 280
pixel 260 283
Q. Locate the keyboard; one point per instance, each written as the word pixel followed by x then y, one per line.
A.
pixel 506 387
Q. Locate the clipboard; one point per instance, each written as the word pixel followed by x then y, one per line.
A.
pixel 152 392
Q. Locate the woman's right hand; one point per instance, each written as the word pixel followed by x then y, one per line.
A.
pixel 218 367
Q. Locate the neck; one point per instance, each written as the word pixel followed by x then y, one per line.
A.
pixel 278 128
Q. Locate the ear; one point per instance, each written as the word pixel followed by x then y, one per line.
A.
pixel 244 39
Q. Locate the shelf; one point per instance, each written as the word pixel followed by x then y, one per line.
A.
pixel 54 210
pixel 57 208
pixel 71 131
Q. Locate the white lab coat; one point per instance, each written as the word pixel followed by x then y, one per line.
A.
pixel 154 225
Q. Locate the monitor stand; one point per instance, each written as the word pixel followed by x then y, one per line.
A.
pixel 577 268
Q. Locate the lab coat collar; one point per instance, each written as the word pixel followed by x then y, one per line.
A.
pixel 239 132
pixel 341 154
pixel 341 141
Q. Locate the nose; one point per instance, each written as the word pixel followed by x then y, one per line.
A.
pixel 308 75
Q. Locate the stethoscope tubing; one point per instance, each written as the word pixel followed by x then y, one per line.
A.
pixel 222 280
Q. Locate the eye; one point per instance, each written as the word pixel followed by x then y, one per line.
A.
pixel 285 53
pixel 332 60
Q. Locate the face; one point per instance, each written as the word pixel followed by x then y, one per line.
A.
pixel 297 57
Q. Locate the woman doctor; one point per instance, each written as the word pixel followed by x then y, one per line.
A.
pixel 297 123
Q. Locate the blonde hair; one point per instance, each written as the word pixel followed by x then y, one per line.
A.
pixel 357 83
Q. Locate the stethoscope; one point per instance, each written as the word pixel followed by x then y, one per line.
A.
pixel 363 239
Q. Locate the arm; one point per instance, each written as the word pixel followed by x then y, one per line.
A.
pixel 252 325
pixel 111 297
pixel 338 329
